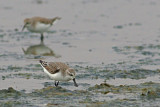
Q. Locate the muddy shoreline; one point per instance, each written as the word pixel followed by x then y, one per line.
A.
pixel 112 45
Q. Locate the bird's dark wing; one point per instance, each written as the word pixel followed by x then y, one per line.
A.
pixel 52 68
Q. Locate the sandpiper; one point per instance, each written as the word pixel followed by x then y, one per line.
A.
pixel 59 71
pixel 39 24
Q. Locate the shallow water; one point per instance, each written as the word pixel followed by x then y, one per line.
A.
pixel 106 41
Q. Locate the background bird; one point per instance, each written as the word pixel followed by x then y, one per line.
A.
pixel 39 24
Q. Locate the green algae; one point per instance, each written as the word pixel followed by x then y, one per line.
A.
pixel 52 91
pixel 14 68
pixel 144 49
pixel 118 27
pixel 9 93
pixel 10 104
pixel 57 105
pixel 149 89
pixel 3 77
pixel 58 96
pixel 90 103
pixel 133 74
pixel 24 75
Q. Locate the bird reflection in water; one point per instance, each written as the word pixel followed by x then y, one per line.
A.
pixel 40 49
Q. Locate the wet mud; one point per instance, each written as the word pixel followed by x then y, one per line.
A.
pixel 112 45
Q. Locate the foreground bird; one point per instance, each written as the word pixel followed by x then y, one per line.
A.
pixel 58 71
pixel 39 24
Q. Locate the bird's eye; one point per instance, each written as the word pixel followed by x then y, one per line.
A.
pixel 44 64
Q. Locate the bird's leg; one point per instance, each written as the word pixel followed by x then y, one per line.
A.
pixel 56 83
pixel 42 37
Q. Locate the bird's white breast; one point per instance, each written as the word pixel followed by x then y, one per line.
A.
pixel 57 76
pixel 39 27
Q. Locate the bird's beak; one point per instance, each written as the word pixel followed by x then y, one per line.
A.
pixel 24 27
pixel 59 18
pixel 75 84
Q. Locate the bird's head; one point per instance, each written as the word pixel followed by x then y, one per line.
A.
pixel 27 22
pixel 72 75
pixel 43 63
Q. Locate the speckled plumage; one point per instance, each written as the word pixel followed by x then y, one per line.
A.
pixel 59 71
